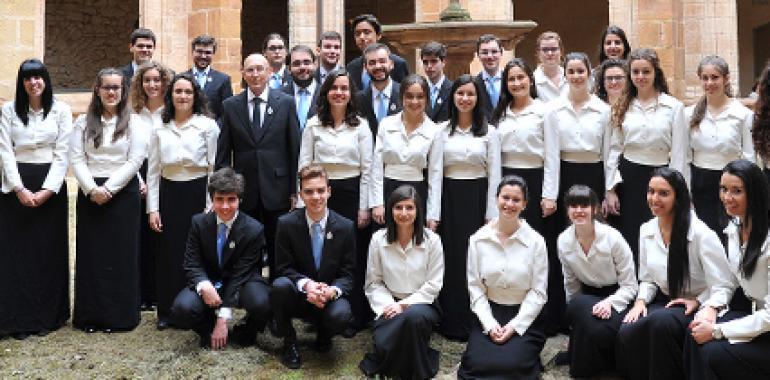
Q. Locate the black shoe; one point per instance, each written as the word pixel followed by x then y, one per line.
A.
pixel 108 330
pixel 43 332
pixel 147 306
pixel 20 335
pixel 322 344
pixel 350 332
pixel 243 334
pixel 562 358
pixel 89 329
pixel 290 356
pixel 162 324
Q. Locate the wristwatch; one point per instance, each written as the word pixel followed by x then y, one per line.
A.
pixel 716 333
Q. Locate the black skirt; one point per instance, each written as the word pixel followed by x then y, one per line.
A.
pixel 632 193
pixel 179 201
pixel 705 198
pixel 107 260
pixel 533 214
pixel 463 209
pixel 518 358
pixel 36 264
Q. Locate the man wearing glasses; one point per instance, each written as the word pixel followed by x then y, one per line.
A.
pixel 215 84
pixel 274 49
pixel 490 50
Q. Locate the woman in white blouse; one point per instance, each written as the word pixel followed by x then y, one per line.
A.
pixel 720 132
pixel 404 274
pixel 549 74
pixel 407 151
pixel 341 141
pixel 471 174
pixel 180 159
pixel 35 132
pixel 507 279
pixel 648 131
pixel 599 282
pixel 106 153
pixel 737 346
pixel 682 269
pixel 148 87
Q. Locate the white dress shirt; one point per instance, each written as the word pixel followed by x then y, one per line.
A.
pixel 344 151
pixel 522 137
pixel 402 156
pixel 41 141
pixel 547 90
pixel 721 138
pixel 654 135
pixel 118 161
pixel 222 312
pixel 511 272
pixel 262 105
pixel 469 157
pixel 581 136
pixel 608 262
pixel 180 153
pixel 756 288
pixel 709 280
pixel 376 96
pixel 413 274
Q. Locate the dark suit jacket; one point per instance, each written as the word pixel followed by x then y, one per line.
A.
pixel 440 112
pixel 294 253
pixel 128 73
pixel 484 97
pixel 356 67
pixel 289 90
pixel 267 158
pixel 364 102
pixel 241 255
pixel 218 88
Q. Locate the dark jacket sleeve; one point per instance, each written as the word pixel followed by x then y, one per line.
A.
pixel 224 145
pixel 285 265
pixel 292 138
pixel 194 267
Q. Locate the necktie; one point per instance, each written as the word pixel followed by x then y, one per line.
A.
pixel 365 80
pixel 275 82
pixel 303 107
pixel 494 95
pixel 221 238
pixel 201 77
pixel 382 107
pixel 317 244
pixel 433 95
pixel 256 123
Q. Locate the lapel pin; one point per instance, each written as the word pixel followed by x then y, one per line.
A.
pixel 208 79
pixel 329 235
pixel 392 107
pixel 438 101
pixel 232 244
pixel 269 110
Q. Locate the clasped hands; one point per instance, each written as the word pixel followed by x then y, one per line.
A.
pixel 30 199
pixel 501 334
pixel 319 293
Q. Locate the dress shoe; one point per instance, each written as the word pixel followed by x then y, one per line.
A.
pixel 162 324
pixel 322 344
pixel 350 332
pixel 147 306
pixel 290 356
pixel 43 332
pixel 89 329
pixel 20 335
pixel 562 358
pixel 243 334
pixel 108 330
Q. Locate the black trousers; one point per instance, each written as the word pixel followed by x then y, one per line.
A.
pixel 288 302
pixel 269 219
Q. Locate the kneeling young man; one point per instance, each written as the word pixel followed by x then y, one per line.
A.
pixel 315 257
pixel 223 265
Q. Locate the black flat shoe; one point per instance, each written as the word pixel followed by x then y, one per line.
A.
pixel 147 306
pixel 43 332
pixel 89 329
pixel 162 324
pixel 290 356
pixel 20 335
pixel 108 330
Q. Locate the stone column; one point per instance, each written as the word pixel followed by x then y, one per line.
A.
pixel 303 22
pixel 332 15
pixel 22 27
pixel 169 20
pixel 222 20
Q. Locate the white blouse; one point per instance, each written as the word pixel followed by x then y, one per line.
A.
pixel 609 261
pixel 709 273
pixel 722 138
pixel 180 153
pixel 756 288
pixel 41 141
pixel 575 136
pixel 118 161
pixel 402 156
pixel 522 137
pixel 546 90
pixel 344 152
pixel 512 272
pixel 413 274
pixel 468 157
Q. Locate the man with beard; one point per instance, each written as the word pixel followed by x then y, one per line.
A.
pixel 367 30
pixel 329 52
pixel 380 98
pixel 303 87
pixel 215 84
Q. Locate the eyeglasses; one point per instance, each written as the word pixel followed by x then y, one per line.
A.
pixel 547 50
pixel 275 47
pixel 614 78
pixel 111 88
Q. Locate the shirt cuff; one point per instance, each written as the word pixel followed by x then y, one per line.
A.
pixel 301 284
pixel 200 286
pixel 225 312
pixel 338 290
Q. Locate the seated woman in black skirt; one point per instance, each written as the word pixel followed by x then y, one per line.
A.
pixel 507 280
pixel 106 154
pixel 599 281
pixel 738 346
pixel 682 267
pixel 404 275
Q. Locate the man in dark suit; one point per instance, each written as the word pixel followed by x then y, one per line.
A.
pixel 274 49
pixel 222 264
pixel 380 98
pixel 215 84
pixel 315 257
pixel 142 46
pixel 303 88
pixel 259 138
pixel 329 52
pixel 366 31
pixel 433 55
pixel 490 50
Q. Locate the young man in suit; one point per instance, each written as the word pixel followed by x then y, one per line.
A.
pixel 380 98
pixel 142 46
pixel 433 55
pixel 329 52
pixel 223 266
pixel 274 49
pixel 366 31
pixel 490 50
pixel 215 84
pixel 303 86
pixel 315 259
pixel 259 138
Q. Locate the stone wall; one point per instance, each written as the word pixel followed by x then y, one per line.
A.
pixel 21 37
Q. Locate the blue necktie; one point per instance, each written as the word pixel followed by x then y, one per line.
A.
pixel 433 96
pixel 275 82
pixel 365 80
pixel 201 77
pixel 303 107
pixel 221 238
pixel 382 109
pixel 317 244
pixel 494 95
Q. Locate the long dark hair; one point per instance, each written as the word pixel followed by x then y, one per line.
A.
pixel 699 112
pixel 616 30
pixel 755 186
pixel 760 132
pixel 609 63
pixel 199 99
pixel 620 108
pixel 505 95
pixel 324 109
pixel 31 68
pixel 678 256
pixel 405 192
pixel 479 123
pixel 94 127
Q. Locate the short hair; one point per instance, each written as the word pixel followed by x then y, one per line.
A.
pixel 329 35
pixel 142 33
pixel 300 49
pixel 312 171
pixel 368 17
pixel 226 180
pixel 435 49
pixel 200 106
pixel 484 38
pixel 374 47
pixel 205 40
pixel 31 68
pixel 402 193
pixel 548 35
pixel 274 36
